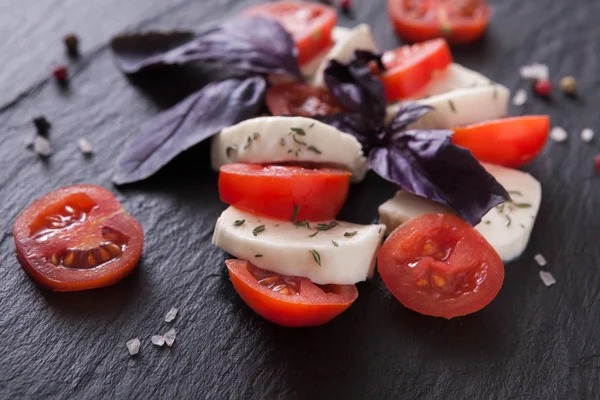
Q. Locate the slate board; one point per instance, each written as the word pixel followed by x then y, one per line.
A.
pixel 531 342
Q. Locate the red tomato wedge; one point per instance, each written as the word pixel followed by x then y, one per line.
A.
pixel 309 24
pixel 459 21
pixel 289 301
pixel 294 98
pixel 276 191
pixel 77 237
pixel 438 265
pixel 511 142
pixel 410 68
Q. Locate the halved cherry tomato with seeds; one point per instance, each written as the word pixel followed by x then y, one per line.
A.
pixel 438 265
pixel 289 301
pixel 299 99
pixel 278 191
pixel 459 21
pixel 309 24
pixel 77 237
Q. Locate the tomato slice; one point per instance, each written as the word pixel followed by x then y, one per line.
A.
pixel 410 68
pixel 459 21
pixel 294 98
pixel 511 142
pixel 275 191
pixel 438 265
pixel 289 301
pixel 309 24
pixel 77 237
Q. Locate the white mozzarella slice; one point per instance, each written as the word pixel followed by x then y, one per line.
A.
pixel 454 77
pixel 288 249
pixel 288 139
pixel 506 227
pixel 357 38
pixel 310 68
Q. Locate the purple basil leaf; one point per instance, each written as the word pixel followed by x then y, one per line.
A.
pixel 136 51
pixel 408 113
pixel 427 164
pixel 196 118
pixel 355 87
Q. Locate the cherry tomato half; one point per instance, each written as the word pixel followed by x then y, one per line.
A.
pixel 459 21
pixel 77 237
pixel 275 191
pixel 511 142
pixel 410 68
pixel 438 265
pixel 294 98
pixel 309 24
pixel 289 301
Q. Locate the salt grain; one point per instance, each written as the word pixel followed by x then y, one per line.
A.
pixel 558 134
pixel 587 135
pixel 29 139
pixel 535 71
pixel 85 146
pixel 540 260
pixel 547 278
pixel 169 337
pixel 157 340
pixel 520 97
pixel 41 145
pixel 171 314
pixel 133 346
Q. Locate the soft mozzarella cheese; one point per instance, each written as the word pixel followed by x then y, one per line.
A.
pixel 358 38
pixel 454 77
pixel 288 249
pixel 506 227
pixel 288 139
pixel 310 68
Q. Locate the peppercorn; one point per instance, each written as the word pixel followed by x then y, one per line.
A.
pixel 568 85
pixel 41 125
pixel 72 44
pixel 60 73
pixel 543 87
pixel 345 5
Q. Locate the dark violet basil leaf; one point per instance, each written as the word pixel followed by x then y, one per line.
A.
pixel 136 51
pixel 249 44
pixel 408 113
pixel 356 88
pixel 427 164
pixel 196 118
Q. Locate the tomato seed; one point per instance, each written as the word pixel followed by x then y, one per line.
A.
pixel 68 260
pixel 113 249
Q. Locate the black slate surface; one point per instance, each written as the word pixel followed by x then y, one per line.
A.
pixel 531 342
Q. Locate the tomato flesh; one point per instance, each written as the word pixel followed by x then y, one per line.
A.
pixel 309 24
pixel 410 68
pixel 438 265
pixel 289 301
pixel 294 98
pixel 77 237
pixel 512 142
pixel 459 21
pixel 276 191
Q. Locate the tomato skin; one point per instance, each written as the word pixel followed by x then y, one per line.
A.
pixel 102 212
pixel 438 265
pixel 437 18
pixel 512 142
pixel 274 191
pixel 293 98
pixel 312 307
pixel 410 68
pixel 309 24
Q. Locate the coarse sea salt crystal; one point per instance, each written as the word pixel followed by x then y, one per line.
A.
pixel 540 260
pixel 547 278
pixel 587 135
pixel 85 146
pixel 535 71
pixel 558 134
pixel 157 340
pixel 133 346
pixel 169 337
pixel 41 145
pixel 29 139
pixel 520 97
pixel 171 314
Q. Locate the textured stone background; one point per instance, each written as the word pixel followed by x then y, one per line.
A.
pixel 531 342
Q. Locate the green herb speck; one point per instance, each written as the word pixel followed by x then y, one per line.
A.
pixel 508 220
pixel 295 215
pixel 255 135
pixel 335 243
pixel 326 227
pixel 239 222
pixel 248 142
pixel 313 234
pixel 350 234
pixel 258 230
pixel 230 149
pixel 298 131
pixel 282 142
pixel 452 107
pixel 258 255
pixel 316 256
pixel 298 140
pixel 314 149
